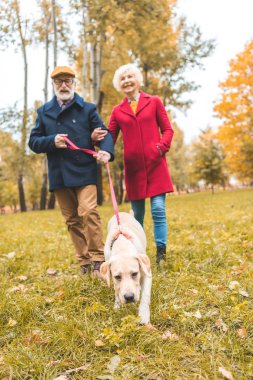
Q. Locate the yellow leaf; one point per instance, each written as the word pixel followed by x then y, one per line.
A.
pixel 242 333
pixel 99 343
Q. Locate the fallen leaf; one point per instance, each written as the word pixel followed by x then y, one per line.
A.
pixel 19 288
pixel 244 293
pixel 99 343
pixel 221 325
pixel 51 272
pixel 150 327
pixel 242 333
pixel 34 338
pixel 11 255
pixel 21 278
pixel 114 363
pixel 169 335
pixel 142 357
pixel 193 291
pixel 49 300
pixel 74 370
pixel 197 314
pixel 225 373
pixel 12 322
pixel 165 314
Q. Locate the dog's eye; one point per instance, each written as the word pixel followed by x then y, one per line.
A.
pixel 118 277
pixel 135 274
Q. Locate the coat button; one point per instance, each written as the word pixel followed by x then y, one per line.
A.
pixel 74 121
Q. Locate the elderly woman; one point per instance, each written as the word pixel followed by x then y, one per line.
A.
pixel 147 134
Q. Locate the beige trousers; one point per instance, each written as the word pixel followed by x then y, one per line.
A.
pixel 79 209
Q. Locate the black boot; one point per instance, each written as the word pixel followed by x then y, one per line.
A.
pixel 160 253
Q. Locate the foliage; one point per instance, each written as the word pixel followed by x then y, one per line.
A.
pixel 208 159
pixel 177 159
pixel 54 322
pixel 235 110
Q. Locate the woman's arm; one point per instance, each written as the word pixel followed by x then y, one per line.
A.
pixel 165 127
pixel 113 127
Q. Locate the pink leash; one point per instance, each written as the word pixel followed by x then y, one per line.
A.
pixel 72 146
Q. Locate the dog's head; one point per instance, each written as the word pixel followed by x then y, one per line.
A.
pixel 127 271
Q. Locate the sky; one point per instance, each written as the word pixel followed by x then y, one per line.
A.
pixel 229 22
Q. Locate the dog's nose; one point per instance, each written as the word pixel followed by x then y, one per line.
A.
pixel 129 297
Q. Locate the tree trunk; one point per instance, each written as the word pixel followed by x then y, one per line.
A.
pixel 55 32
pixel 43 191
pixel 22 201
pixel 85 54
pixel 51 202
pixel 97 98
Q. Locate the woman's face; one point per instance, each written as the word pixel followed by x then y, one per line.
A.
pixel 129 83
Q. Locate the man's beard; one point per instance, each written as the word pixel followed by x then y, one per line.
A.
pixel 62 95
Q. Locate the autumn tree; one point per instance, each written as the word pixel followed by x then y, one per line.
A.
pixel 235 111
pixel 208 159
pixel 9 149
pixel 14 30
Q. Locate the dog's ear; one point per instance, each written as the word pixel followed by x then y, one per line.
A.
pixel 144 264
pixel 105 271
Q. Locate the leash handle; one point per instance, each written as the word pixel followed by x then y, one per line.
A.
pixel 72 146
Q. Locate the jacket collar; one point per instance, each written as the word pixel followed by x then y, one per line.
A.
pixel 52 107
pixel 144 100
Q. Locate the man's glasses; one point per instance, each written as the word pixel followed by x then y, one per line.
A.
pixel 67 81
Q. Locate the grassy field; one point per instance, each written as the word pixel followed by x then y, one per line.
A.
pixel 58 324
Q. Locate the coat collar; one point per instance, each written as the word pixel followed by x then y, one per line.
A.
pixel 53 109
pixel 144 100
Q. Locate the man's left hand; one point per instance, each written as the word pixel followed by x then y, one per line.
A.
pixel 103 156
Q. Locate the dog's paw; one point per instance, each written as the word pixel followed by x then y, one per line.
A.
pixel 145 317
pixel 116 305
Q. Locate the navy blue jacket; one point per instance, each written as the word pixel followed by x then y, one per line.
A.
pixel 69 168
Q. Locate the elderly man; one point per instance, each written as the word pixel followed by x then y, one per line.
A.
pixel 73 174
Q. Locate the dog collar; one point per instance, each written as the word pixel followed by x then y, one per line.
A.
pixel 115 237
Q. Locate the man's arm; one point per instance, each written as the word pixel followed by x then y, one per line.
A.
pixel 38 141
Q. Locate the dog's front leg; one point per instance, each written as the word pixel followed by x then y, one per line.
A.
pixel 144 311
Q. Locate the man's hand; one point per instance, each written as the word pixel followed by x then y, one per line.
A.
pixel 59 141
pixel 103 156
pixel 98 134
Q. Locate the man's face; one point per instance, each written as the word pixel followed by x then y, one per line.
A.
pixel 64 87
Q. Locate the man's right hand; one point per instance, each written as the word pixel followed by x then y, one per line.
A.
pixel 59 141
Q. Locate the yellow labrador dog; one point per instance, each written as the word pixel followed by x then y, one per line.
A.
pixel 127 262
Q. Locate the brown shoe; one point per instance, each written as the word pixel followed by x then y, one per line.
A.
pixel 96 269
pixel 85 269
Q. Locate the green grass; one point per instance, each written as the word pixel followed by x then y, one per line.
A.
pixel 52 324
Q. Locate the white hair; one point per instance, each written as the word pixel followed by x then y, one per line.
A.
pixel 121 70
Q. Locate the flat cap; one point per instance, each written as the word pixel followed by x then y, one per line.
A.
pixel 59 70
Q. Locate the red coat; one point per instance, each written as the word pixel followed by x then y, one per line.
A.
pixel 146 171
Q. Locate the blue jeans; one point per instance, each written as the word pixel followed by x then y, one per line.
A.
pixel 158 214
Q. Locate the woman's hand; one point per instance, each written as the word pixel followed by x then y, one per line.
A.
pixel 98 134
